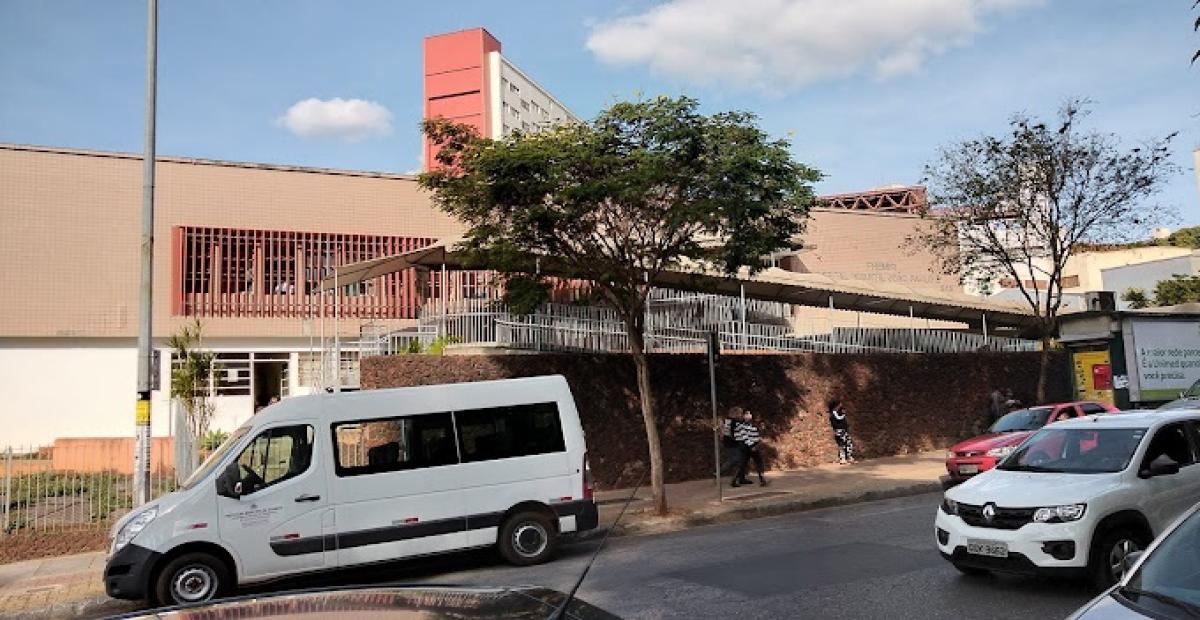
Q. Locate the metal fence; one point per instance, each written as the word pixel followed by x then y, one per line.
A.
pixel 74 485
pixel 675 322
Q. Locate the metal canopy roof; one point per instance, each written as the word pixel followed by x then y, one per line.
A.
pixel 774 284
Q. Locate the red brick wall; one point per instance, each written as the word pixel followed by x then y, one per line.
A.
pixel 897 403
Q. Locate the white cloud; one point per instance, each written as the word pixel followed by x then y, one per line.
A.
pixel 772 44
pixel 344 119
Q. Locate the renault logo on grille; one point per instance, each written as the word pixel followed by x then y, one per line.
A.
pixel 989 512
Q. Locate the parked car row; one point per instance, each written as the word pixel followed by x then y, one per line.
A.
pixel 1060 490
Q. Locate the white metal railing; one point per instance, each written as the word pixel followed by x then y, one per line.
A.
pixel 675 321
pixel 81 483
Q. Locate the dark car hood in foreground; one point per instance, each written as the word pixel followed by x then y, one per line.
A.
pixel 394 602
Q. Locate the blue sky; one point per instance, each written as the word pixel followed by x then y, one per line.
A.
pixel 866 89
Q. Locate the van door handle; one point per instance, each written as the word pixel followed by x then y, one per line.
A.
pixel 308 498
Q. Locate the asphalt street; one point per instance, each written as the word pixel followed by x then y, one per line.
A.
pixel 871 560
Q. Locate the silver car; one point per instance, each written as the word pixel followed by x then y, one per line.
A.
pixel 1162 583
pixel 1187 398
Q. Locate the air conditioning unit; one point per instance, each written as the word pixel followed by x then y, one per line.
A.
pixel 1100 301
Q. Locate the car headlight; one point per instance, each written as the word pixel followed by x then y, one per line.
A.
pixel 1002 452
pixel 1059 514
pixel 949 506
pixel 133 527
pixel 950 454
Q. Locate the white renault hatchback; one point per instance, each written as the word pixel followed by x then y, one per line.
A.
pixel 1076 497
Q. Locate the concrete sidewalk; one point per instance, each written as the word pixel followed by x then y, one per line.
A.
pixel 695 503
pixel 71 587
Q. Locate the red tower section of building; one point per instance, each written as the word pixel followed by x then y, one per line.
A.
pixel 456 80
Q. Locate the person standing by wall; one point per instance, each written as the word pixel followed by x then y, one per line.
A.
pixel 729 444
pixel 841 432
pixel 749 438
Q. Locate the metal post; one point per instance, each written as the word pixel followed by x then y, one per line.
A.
pixel 337 339
pixel 7 487
pixel 985 333
pixel 912 331
pixel 141 451
pixel 714 345
pixel 745 336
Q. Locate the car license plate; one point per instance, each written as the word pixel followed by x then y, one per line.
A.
pixel 968 470
pixel 990 548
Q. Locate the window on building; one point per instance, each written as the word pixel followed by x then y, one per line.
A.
pixel 394 444
pixel 516 90
pixel 505 432
pixel 231 374
pixel 524 105
pixel 276 455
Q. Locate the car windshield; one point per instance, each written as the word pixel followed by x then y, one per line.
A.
pixel 1022 420
pixel 214 458
pixel 1171 574
pixel 1076 450
pixel 1193 392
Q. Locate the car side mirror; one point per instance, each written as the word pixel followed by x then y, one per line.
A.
pixel 1129 561
pixel 1161 466
pixel 229 483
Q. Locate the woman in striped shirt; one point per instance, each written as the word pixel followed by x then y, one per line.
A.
pixel 746 434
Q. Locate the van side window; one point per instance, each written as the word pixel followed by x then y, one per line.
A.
pixel 503 432
pixel 392 444
pixel 276 455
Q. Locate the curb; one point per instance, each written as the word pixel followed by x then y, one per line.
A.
pixel 769 508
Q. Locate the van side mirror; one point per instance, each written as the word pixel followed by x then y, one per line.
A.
pixel 1161 466
pixel 229 483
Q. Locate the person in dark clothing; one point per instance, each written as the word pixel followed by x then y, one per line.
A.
pixel 996 408
pixel 749 438
pixel 730 445
pixel 841 432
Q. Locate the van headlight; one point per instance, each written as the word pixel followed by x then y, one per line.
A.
pixel 949 506
pixel 133 527
pixel 1059 514
pixel 1001 452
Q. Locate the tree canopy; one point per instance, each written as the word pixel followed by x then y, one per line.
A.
pixel 644 187
pixel 1018 206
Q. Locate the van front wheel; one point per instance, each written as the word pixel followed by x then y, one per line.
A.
pixel 528 538
pixel 192 578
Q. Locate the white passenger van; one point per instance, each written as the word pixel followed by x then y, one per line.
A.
pixel 337 480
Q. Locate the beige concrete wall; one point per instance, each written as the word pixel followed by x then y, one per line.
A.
pixel 70 220
pixel 870 247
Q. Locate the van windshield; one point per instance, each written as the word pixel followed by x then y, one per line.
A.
pixel 214 458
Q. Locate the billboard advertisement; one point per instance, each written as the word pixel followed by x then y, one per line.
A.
pixel 1166 356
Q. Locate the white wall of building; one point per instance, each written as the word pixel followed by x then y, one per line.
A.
pixel 518 102
pixel 70 388
pixel 66 387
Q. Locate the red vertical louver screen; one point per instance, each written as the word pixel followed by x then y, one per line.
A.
pixel 229 272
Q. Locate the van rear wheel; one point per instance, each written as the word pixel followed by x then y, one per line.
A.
pixel 192 578
pixel 528 538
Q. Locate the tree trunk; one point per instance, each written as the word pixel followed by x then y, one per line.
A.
pixel 637 348
pixel 1043 370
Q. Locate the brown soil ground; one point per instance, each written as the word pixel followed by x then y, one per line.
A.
pixel 29 545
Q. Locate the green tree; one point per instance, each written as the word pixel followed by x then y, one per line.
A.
pixel 1184 238
pixel 644 187
pixel 191 377
pixel 1018 206
pixel 1137 298
pixel 1180 289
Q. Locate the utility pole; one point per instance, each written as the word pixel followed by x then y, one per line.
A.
pixel 714 350
pixel 145 380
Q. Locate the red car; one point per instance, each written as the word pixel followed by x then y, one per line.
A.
pixel 979 454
